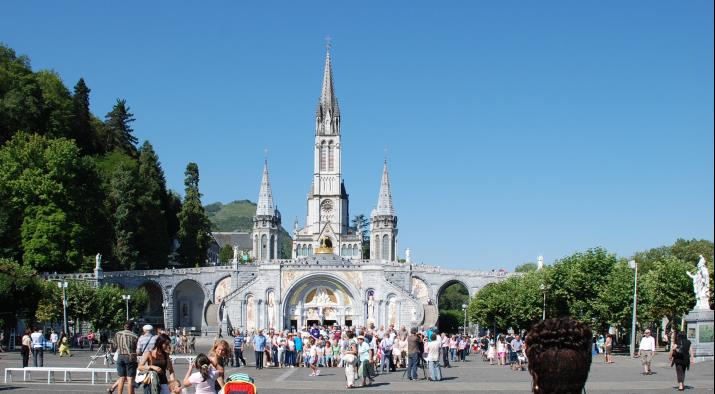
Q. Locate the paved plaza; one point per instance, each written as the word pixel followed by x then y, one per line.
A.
pixel 471 376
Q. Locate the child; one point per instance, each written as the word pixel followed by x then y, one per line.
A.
pixel 204 377
pixel 328 354
pixel 313 354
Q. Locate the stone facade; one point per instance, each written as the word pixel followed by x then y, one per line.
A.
pixel 326 281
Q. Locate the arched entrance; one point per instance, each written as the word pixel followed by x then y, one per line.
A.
pixel 154 311
pixel 320 299
pixel 450 298
pixel 189 301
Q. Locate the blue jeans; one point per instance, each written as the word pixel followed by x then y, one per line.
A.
pixel 412 366
pixel 386 361
pixel 452 353
pixel 435 371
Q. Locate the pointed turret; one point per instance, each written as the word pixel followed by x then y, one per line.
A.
pixel 384 201
pixel 265 196
pixel 266 223
pixel 383 223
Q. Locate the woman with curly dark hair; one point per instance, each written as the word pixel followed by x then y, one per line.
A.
pixel 559 354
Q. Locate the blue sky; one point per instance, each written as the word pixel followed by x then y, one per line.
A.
pixel 512 129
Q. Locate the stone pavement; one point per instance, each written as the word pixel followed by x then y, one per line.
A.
pixel 472 376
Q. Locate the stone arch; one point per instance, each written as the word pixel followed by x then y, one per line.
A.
pixel 221 289
pixel 420 288
pixel 189 304
pixel 451 319
pixel 448 283
pixel 154 311
pixel 347 299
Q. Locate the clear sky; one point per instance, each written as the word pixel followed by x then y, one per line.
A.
pixel 512 128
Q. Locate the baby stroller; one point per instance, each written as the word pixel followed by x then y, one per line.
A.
pixel 239 383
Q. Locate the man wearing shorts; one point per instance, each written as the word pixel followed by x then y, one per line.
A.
pixel 646 351
pixel 126 343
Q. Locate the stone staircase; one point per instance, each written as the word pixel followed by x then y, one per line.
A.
pixel 431 315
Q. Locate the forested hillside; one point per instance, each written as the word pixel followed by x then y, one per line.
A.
pixel 74 184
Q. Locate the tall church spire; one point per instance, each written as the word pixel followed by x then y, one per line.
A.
pixel 384 201
pixel 328 103
pixel 265 196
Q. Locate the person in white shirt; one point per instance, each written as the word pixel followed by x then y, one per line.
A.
pixel 38 348
pixel 646 351
pixel 433 347
pixel 54 338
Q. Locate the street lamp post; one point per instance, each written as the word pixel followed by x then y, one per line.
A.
pixel 634 266
pixel 126 298
pixel 543 288
pixel 464 308
pixel 63 285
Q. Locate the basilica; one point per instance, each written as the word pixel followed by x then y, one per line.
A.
pixel 327 280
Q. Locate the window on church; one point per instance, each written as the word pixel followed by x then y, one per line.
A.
pixel 323 157
pixel 331 156
pixel 310 250
pixel 385 247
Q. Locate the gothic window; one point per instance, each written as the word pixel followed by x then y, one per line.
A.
pixel 264 247
pixel 385 247
pixel 272 247
pixel 331 156
pixel 310 250
pixel 356 251
pixel 323 157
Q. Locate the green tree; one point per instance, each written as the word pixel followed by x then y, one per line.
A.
pixel 110 308
pixel 194 226
pixel 225 255
pixel 49 239
pixel 81 301
pixel 47 184
pixel 21 102
pixel 453 297
pixel 19 292
pixel 118 129
pixel 577 281
pixel 361 223
pixel 82 131
pixel 615 303
pixel 667 291
pixel 526 267
pixel 49 308
pixel 152 234
pixel 123 200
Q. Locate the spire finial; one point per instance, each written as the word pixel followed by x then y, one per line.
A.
pixel 328 43
pixel 385 154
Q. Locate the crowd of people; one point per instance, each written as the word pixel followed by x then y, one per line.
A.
pixel 362 352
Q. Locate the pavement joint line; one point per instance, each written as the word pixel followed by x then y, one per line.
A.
pixel 285 374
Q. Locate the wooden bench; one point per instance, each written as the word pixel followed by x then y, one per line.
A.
pixel 26 372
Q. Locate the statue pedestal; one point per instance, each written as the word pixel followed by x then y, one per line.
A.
pixel 699 330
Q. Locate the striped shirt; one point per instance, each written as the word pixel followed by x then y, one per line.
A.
pixel 126 342
pixel 238 341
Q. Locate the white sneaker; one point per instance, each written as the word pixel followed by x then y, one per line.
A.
pixel 317 372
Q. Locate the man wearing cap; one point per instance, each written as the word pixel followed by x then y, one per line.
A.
pixel 365 360
pixel 646 351
pixel 146 341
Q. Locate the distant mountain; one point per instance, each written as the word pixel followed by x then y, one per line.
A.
pixel 234 216
pixel 238 216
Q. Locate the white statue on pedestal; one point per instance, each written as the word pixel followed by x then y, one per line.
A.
pixel 540 262
pixel 98 262
pixel 701 285
pixel 235 253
